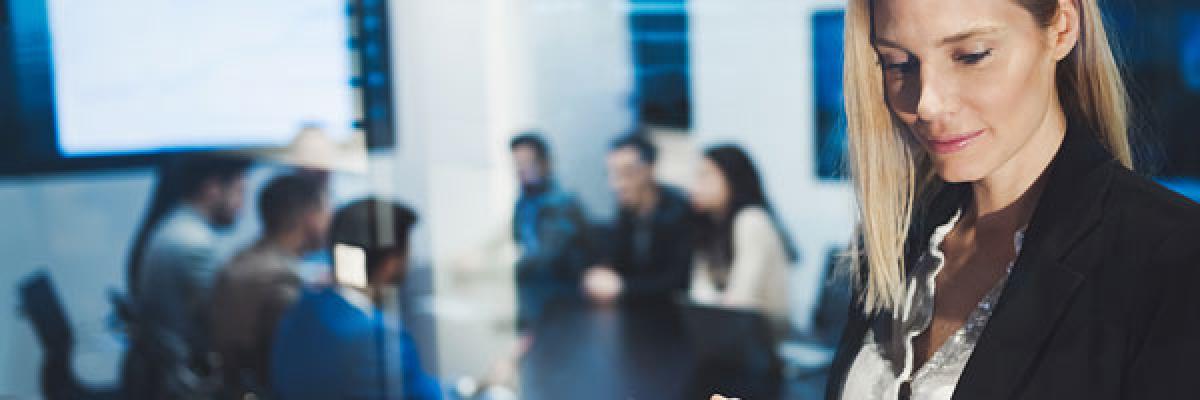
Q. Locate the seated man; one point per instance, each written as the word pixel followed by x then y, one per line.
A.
pixel 337 343
pixel 171 270
pixel 550 230
pixel 650 258
pixel 261 282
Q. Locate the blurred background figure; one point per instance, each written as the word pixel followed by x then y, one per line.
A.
pixel 743 259
pixel 742 251
pixel 550 229
pixel 552 238
pixel 338 342
pixel 650 247
pixel 171 271
pixel 261 282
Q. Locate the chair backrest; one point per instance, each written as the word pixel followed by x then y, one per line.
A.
pixel 834 299
pixel 40 303
pixel 740 336
pixel 123 307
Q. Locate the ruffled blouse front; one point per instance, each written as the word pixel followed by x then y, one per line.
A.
pixel 885 362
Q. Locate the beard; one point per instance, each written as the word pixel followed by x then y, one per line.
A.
pixel 223 217
pixel 535 187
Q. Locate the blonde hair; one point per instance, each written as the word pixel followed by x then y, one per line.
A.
pixel 890 173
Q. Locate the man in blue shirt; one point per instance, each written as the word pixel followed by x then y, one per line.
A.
pixel 550 230
pixel 336 342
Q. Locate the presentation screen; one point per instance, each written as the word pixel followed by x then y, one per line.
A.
pixel 142 76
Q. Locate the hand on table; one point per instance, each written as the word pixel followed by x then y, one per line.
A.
pixel 602 285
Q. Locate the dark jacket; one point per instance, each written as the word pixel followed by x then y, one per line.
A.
pixel 665 267
pixel 1102 302
pixel 551 229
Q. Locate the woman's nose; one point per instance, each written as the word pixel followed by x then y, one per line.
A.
pixel 934 101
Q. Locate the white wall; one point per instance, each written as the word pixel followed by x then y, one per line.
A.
pixel 581 62
pixel 752 84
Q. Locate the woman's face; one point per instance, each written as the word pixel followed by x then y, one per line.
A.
pixel 973 80
pixel 709 191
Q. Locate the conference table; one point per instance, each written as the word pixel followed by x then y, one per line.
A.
pixel 651 350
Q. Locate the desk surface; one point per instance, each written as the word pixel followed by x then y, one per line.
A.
pixel 632 351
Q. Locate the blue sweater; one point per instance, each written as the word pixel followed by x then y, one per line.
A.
pixel 326 348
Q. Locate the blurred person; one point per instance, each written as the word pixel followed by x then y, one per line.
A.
pixel 1007 249
pixel 742 251
pixel 337 342
pixel 171 269
pixel 261 282
pixel 651 246
pixel 550 229
pixel 742 263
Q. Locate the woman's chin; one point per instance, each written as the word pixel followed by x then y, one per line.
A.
pixel 959 173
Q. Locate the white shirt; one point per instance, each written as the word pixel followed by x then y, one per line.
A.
pixel 885 361
pixel 758 274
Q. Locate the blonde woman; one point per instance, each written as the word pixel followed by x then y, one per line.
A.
pixel 1007 250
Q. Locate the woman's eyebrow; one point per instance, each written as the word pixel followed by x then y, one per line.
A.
pixel 951 39
pixel 969 33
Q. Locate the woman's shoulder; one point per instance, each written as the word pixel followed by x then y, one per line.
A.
pixel 1151 234
pixel 1150 251
pixel 752 218
pixel 753 224
pixel 1146 204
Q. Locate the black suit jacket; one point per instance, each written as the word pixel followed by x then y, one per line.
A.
pixel 1103 301
pixel 666 270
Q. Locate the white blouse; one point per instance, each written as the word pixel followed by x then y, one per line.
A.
pixel 758 275
pixel 885 361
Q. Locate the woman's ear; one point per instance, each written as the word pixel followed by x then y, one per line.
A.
pixel 1064 31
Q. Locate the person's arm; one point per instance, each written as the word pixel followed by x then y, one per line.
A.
pixel 196 268
pixel 559 231
pixel 489 258
pixel 284 291
pixel 702 289
pixel 602 280
pixel 418 385
pixel 756 245
pixel 1158 368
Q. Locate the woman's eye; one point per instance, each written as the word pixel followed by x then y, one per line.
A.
pixel 973 58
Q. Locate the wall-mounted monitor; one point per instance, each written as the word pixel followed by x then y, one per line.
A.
pixel 129 78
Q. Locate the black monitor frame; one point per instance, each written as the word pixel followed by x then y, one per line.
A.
pixel 28 136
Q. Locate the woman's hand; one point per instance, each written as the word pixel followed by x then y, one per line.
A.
pixel 720 397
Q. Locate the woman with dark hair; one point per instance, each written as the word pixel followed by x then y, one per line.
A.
pixel 742 250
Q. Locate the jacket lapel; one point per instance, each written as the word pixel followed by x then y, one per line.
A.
pixel 1042 282
pixel 847 350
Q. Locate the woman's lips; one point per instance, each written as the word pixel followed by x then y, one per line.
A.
pixel 954 143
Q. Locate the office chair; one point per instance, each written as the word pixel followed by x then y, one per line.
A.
pixel 39 302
